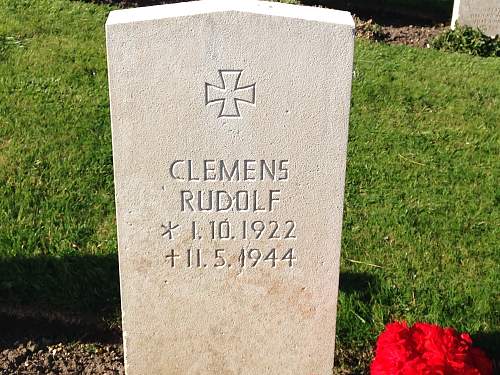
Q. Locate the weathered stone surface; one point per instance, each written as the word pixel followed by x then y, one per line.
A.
pixel 229 141
pixel 483 14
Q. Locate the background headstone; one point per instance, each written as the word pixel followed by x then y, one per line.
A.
pixel 483 14
pixel 230 127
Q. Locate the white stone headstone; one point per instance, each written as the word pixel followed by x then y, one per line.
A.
pixel 230 124
pixel 483 14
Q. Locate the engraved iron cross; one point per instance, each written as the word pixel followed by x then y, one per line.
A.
pixel 230 94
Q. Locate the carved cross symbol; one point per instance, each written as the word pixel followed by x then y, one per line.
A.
pixel 230 94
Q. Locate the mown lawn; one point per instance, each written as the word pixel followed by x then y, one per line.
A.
pixel 421 230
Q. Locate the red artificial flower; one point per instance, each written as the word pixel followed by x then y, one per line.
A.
pixel 427 349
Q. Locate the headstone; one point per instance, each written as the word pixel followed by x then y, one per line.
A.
pixel 230 124
pixel 482 14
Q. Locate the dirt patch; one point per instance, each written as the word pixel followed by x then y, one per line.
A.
pixel 57 343
pixel 410 35
pixel 416 36
pixel 39 357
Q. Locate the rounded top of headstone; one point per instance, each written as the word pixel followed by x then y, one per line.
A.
pixel 193 8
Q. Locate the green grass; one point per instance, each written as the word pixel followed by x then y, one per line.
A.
pixel 422 193
pixel 421 226
pixel 56 191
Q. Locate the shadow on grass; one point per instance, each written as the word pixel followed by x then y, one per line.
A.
pixel 54 329
pixel 394 12
pixel 361 283
pixel 87 284
pixel 61 299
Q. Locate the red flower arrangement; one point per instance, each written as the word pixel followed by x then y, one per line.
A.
pixel 427 349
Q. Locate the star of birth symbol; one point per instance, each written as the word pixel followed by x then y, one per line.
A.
pixel 169 230
pixel 230 94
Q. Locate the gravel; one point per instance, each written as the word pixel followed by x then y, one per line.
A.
pixel 73 358
pixel 48 342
